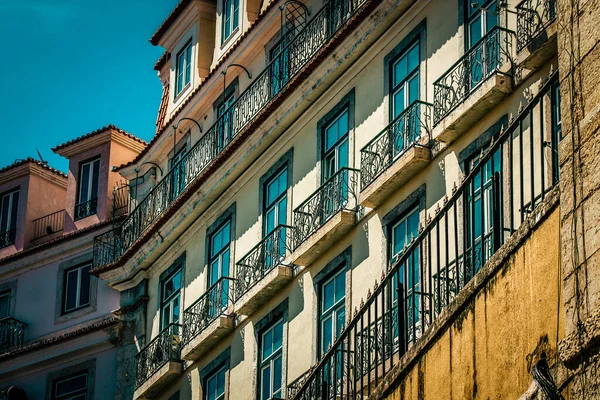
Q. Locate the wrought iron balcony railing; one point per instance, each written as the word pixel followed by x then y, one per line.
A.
pixel 337 193
pixel 288 63
pixel 12 334
pixel 86 209
pixel 162 349
pixel 294 386
pixel 7 238
pixel 266 255
pixel 121 200
pixel 533 17
pixel 49 224
pixel 454 245
pixel 412 127
pixel 479 63
pixel 211 305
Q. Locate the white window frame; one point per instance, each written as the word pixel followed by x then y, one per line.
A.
pixel 78 304
pixel 72 394
pixel 269 362
pixel 185 54
pixel 90 182
pixel 214 376
pixel 11 204
pixel 332 311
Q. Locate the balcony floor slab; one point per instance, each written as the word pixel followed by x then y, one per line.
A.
pixel 264 290
pixel 488 95
pixel 400 172
pixel 159 380
pixel 541 49
pixel 204 341
pixel 321 240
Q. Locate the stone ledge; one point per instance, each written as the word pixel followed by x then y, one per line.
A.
pixel 540 50
pixel 572 347
pixel 161 378
pixel 204 341
pixel 264 290
pixel 467 294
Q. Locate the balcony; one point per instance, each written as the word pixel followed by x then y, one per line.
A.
pixel 285 66
pixel 536 32
pixel 263 271
pixel 7 238
pixel 85 209
pixel 473 86
pixel 325 216
pixel 396 154
pixel 207 320
pixel 159 363
pixel 12 334
pixel 49 224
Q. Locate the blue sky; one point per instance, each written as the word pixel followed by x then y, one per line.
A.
pixel 71 66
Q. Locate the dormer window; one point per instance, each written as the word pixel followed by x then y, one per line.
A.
pixel 184 68
pixel 8 217
pixel 87 192
pixel 231 10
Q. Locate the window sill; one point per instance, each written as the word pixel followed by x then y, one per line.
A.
pixel 225 43
pixel 181 94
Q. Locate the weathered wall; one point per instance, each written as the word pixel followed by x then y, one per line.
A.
pixel 489 343
pixel 579 63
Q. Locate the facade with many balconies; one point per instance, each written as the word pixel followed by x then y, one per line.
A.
pixel 58 333
pixel 325 179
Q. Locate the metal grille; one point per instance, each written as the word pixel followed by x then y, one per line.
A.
pixel 12 334
pixel 7 238
pixel 162 349
pixel 411 128
pixel 484 59
pixel 337 193
pixel 533 17
pixel 86 209
pixel 512 176
pixel 49 224
pixel 266 255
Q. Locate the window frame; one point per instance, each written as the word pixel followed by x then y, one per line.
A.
pixel 269 361
pixel 8 294
pixel 224 368
pixel 77 392
pixel 90 182
pixel 177 268
pixel 219 254
pixel 186 55
pixel 274 205
pixel 404 83
pixel 334 309
pixel 13 212
pixel 78 303
pixel 334 149
pixel 230 12
pixel 470 17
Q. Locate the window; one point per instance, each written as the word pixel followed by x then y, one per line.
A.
pixel 405 80
pixel 556 132
pixel 184 68
pixel 179 174
pixel 77 288
pixel 87 198
pixel 5 304
pixel 225 118
pixel 231 13
pixel 215 385
pixel 480 213
pixel 219 260
pixel 170 298
pixel 481 18
pixel 74 387
pixel 335 145
pixel 275 214
pixel 271 359
pixel 402 232
pixel 8 217
pixel 333 309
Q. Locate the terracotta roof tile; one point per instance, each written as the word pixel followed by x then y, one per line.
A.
pixel 169 21
pixel 162 109
pixel 166 56
pixel 96 132
pixel 28 160
pixel 211 73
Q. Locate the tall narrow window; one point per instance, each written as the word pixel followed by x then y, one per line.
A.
pixel 335 145
pixel 405 80
pixel 480 213
pixel 214 386
pixel 333 309
pixel 225 119
pixel 556 131
pixel 170 298
pixel 184 68
pixel 271 361
pixel 402 232
pixel 77 287
pixel 231 13
pixel 219 260
pixel 178 164
pixel 5 304
pixel 274 215
pixel 87 198
pixel 481 18
pixel 74 387
pixel 8 218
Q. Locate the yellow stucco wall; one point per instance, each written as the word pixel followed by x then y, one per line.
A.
pixel 488 350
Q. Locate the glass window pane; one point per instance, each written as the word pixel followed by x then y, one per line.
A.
pixel 331 136
pixel 340 322
pixel 277 366
pixel 413 89
pixel 413 58
pixel 278 336
pixel 83 183
pixel 84 295
pixel 225 262
pixel 340 287
pixel 328 295
pixel 343 155
pixel 266 383
pixel 267 344
pixel 4 305
pixel 399 105
pixel 343 124
pixel 71 300
pixel 211 388
pixel 221 382
pixel 5 213
pixel 474 31
pixel 71 385
pixel 282 211
pixel 95 179
pixel 400 70
pixel 327 333
pixel 399 237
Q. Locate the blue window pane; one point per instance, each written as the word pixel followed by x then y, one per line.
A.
pixel 211 389
pixel 413 58
pixel 399 105
pixel 340 322
pixel 327 333
pixel 413 226
pixel 266 383
pixel 236 8
pixel 474 31
pixel 413 89
pixel 267 344
pixel 270 218
pixel 278 336
pixel 283 181
pixel 340 287
pixel 331 136
pixel 221 382
pixel 214 272
pixel 328 296
pixel 343 152
pixel 343 124
pixel 477 217
pixel 400 70
pixel 225 261
pixel 283 211
pixel 399 235
pixel 277 375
